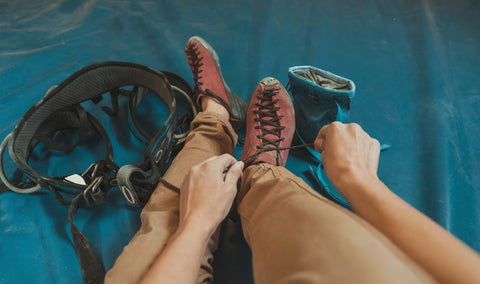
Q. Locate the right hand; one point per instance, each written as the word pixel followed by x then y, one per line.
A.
pixel 207 193
pixel 349 154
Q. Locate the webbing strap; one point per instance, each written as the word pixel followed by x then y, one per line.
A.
pixel 60 110
pixel 92 267
pixel 84 85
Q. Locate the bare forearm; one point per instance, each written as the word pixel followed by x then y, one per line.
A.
pixel 436 250
pixel 180 261
pixel 206 195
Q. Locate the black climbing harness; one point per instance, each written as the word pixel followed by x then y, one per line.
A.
pixel 60 110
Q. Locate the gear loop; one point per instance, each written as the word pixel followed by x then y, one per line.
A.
pixel 4 178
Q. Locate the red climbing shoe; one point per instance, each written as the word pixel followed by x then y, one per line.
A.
pixel 208 79
pixel 270 124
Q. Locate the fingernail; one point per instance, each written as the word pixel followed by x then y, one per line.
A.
pixel 241 165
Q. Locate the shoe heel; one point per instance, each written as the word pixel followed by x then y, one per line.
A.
pixel 239 110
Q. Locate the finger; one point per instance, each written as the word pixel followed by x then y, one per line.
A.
pixel 319 143
pixel 234 173
pixel 224 161
pixel 323 131
pixel 207 160
pixel 211 158
pixel 330 127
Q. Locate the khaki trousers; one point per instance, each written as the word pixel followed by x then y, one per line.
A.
pixel 295 234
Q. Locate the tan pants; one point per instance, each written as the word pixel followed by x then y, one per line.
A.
pixel 295 234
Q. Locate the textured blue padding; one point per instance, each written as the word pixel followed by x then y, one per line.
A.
pixel 415 65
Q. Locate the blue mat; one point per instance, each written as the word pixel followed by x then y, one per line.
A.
pixel 415 65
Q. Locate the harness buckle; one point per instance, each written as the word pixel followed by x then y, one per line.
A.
pixel 134 195
pixel 90 173
pixel 93 193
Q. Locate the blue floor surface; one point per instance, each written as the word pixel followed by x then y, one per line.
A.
pixel 415 65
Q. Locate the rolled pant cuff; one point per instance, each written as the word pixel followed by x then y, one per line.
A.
pixel 211 118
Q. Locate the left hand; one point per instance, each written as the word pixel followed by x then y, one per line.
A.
pixel 349 154
pixel 207 193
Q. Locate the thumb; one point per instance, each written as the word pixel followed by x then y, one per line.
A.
pixel 321 138
pixel 234 173
pixel 319 144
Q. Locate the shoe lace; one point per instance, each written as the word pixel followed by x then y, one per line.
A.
pixel 266 109
pixel 268 118
pixel 269 121
pixel 193 55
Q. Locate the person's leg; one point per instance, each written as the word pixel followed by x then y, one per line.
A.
pixel 211 135
pixel 295 234
pixel 298 236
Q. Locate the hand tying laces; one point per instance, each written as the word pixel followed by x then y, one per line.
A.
pixel 271 130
